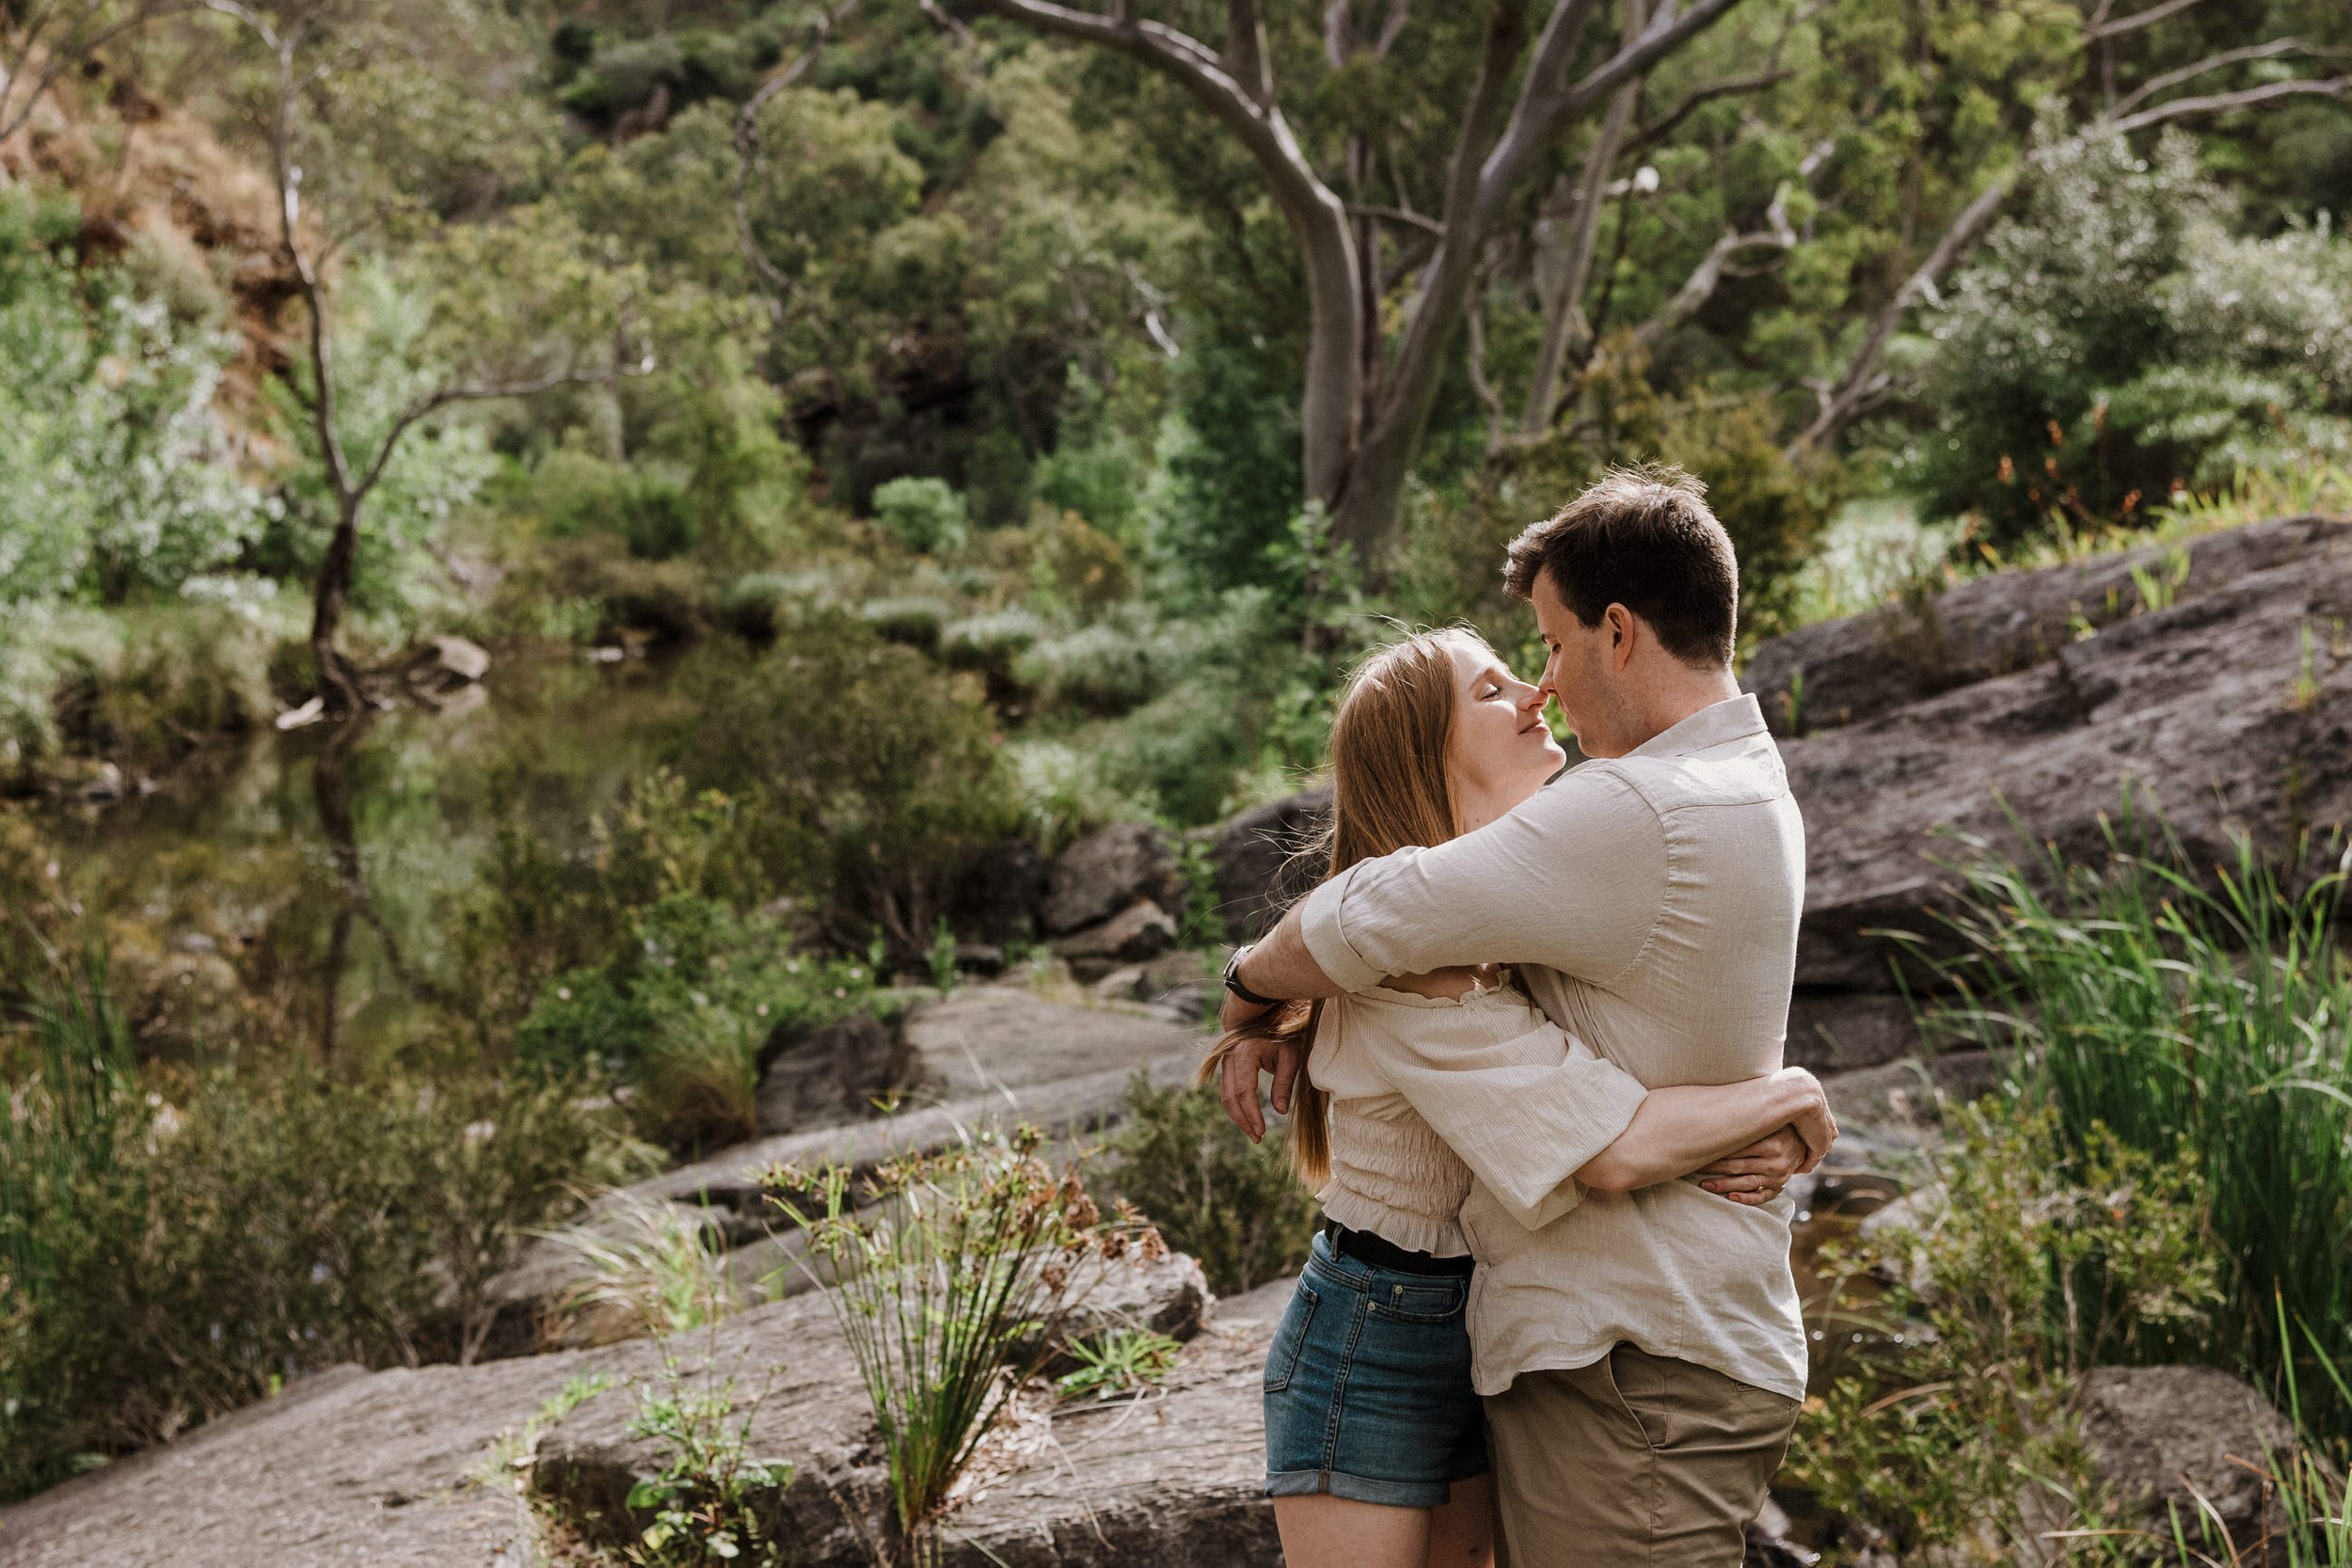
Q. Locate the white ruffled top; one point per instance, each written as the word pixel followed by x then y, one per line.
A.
pixel 1391 1172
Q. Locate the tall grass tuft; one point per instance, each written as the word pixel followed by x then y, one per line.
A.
pixel 944 1265
pixel 2211 1011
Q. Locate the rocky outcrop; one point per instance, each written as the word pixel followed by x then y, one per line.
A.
pixel 825 1076
pixel 1109 871
pixel 1263 863
pixel 1142 931
pixel 986 1057
pixel 398 1469
pixel 2165 1437
pixel 1174 1480
pixel 2229 709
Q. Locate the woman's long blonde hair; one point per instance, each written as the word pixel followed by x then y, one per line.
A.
pixel 1388 791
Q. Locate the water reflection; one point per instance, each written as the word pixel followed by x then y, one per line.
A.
pixel 304 887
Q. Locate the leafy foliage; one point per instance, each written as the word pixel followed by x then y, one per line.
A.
pixel 1233 1205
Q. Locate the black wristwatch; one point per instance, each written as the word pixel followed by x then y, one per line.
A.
pixel 1232 980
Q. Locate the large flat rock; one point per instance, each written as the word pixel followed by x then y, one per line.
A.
pixel 2230 711
pixel 357 1469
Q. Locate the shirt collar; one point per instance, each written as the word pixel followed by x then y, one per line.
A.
pixel 1733 719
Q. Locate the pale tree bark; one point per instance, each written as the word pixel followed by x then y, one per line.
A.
pixel 352 483
pixel 1862 384
pixel 1366 402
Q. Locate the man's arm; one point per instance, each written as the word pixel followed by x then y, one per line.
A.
pixel 1574 878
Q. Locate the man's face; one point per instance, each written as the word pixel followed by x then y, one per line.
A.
pixel 1576 671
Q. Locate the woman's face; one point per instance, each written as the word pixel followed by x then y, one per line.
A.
pixel 1500 751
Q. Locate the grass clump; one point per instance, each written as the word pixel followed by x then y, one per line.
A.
pixel 1233 1205
pixel 2210 1013
pixel 945 1264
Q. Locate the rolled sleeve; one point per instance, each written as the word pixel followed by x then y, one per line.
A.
pixel 1322 927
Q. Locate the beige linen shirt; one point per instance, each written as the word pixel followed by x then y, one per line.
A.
pixel 1650 904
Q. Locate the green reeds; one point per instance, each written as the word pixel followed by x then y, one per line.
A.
pixel 943 1266
pixel 2210 1007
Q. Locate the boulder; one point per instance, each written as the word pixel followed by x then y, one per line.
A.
pixel 1175 1480
pixel 446 661
pixel 1843 672
pixel 1109 871
pixel 985 1040
pixel 1142 931
pixel 1263 861
pixel 2230 711
pixel 826 1076
pixel 1001 898
pixel 2164 1437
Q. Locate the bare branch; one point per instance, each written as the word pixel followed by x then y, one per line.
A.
pixel 484 391
pixel 1396 215
pixel 2222 102
pixel 1665 35
pixel 747 144
pixel 1660 128
pixel 2171 79
pixel 2100 28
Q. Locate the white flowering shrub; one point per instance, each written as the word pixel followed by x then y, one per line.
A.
pixel 2115 341
pixel 117 476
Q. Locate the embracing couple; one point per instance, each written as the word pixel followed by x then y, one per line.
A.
pixel 1529 1035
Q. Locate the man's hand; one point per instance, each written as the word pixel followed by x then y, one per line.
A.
pixel 1758 1173
pixel 1238 1086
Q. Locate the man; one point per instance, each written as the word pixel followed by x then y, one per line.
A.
pixel 1643 1354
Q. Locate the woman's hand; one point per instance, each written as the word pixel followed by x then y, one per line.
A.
pixel 1758 1173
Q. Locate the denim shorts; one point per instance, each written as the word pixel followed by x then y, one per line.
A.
pixel 1368 1386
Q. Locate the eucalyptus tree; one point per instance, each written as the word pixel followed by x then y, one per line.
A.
pixel 378 130
pixel 1511 80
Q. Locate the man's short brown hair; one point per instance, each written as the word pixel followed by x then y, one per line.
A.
pixel 1643 538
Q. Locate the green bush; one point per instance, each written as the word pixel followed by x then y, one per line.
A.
pixel 882 775
pixel 649 512
pixel 179 1249
pixel 2201 1006
pixel 2115 339
pixel 1232 1204
pixel 926 515
pixel 1107 667
pixel 914 620
pixel 2027 1258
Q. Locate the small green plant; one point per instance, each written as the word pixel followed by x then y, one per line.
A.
pixel 2306 672
pixel 1232 1204
pixel 658 1271
pixel 1792 701
pixel 1123 1361
pixel 1203 924
pixel 941 959
pixel 702 1501
pixel 510 1451
pixel 944 1265
pixel 2160 583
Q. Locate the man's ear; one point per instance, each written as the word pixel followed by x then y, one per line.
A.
pixel 1623 628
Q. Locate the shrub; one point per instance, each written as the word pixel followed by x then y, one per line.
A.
pixel 1107 667
pixel 926 515
pixel 649 512
pixel 913 620
pixel 1233 1205
pixel 179 1255
pixel 882 775
pixel 2180 1005
pixel 1946 1419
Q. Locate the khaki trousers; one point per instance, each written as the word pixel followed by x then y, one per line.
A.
pixel 1633 1461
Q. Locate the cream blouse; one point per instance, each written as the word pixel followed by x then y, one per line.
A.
pixel 1375 1053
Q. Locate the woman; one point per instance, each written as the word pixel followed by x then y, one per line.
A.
pixel 1375 1447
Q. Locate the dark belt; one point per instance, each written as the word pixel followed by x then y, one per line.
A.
pixel 1381 1253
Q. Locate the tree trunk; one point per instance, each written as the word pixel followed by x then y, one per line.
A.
pixel 339 683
